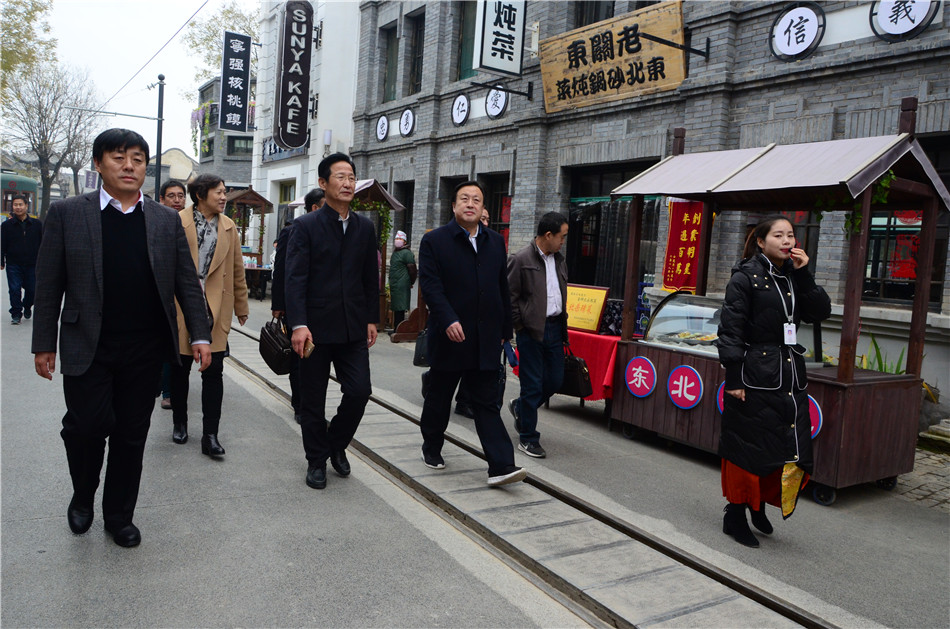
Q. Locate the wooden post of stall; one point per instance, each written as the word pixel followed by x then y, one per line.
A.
pixel 925 256
pixel 851 317
pixel 632 282
pixel 705 245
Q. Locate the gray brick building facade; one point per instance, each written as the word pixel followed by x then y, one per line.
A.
pixel 742 96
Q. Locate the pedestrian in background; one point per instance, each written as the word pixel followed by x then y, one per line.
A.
pixel 537 279
pixel 171 194
pixel 110 267
pixel 765 441
pixel 20 237
pixel 216 251
pixel 402 276
pixel 278 303
pixel 463 280
pixel 332 297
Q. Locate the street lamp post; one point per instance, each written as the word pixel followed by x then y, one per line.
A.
pixel 158 143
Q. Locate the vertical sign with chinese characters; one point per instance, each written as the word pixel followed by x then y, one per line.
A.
pixel 682 245
pixel 292 92
pixel 499 36
pixel 610 61
pixel 235 82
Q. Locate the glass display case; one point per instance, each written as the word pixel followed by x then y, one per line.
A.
pixel 685 322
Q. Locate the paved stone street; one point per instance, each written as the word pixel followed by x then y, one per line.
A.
pixel 929 483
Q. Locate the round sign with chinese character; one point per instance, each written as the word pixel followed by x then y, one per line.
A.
pixel 382 128
pixel 815 415
pixel 685 387
pixel 797 31
pixel 496 102
pixel 897 20
pixel 407 123
pixel 460 110
pixel 640 376
pixel 720 398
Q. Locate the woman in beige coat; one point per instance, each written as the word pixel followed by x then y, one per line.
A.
pixel 216 251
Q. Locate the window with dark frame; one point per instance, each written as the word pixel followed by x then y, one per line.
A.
pixel 207 147
pixel 466 48
pixel 416 50
pixel 391 43
pixel 586 13
pixel 240 146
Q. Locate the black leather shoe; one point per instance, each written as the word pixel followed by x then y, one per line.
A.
pixel 79 516
pixel 339 463
pixel 317 476
pixel 180 433
pixel 126 536
pixel 210 446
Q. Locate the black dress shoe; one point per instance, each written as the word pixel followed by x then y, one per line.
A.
pixel 126 536
pixel 317 476
pixel 339 463
pixel 79 516
pixel 180 433
pixel 210 446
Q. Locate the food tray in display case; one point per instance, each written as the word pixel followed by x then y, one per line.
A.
pixel 685 322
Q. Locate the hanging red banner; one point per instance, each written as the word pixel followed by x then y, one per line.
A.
pixel 682 245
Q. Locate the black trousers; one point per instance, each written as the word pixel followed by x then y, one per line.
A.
pixel 113 400
pixel 212 392
pixel 482 387
pixel 351 362
pixel 294 376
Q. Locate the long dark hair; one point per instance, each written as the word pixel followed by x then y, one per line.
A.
pixel 761 231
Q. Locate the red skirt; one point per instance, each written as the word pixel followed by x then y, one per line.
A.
pixel 742 487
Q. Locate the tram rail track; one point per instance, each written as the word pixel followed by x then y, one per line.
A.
pixel 741 587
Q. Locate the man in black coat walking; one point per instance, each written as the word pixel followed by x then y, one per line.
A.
pixel 463 278
pixel 332 299
pixel 20 237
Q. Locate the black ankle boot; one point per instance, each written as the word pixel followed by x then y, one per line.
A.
pixel 210 446
pixel 735 524
pixel 180 433
pixel 761 522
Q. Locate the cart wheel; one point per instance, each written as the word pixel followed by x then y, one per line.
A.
pixel 823 495
pixel 888 483
pixel 629 431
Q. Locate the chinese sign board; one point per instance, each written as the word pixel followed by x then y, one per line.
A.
pixel 270 152
pixel 585 306
pixel 499 36
pixel 897 20
pixel 682 245
pixel 292 93
pixel 610 61
pixel 685 387
pixel 797 31
pixel 640 376
pixel 235 82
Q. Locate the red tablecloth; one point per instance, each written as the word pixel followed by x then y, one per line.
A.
pixel 600 352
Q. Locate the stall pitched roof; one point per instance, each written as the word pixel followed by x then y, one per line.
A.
pixel 755 174
pixel 250 197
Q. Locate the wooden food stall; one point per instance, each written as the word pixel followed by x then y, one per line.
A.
pixel 869 418
pixel 240 204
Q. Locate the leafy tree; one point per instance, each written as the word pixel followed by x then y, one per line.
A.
pixel 80 156
pixel 25 36
pixel 38 118
pixel 205 37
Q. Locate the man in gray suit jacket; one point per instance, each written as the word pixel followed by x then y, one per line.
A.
pixel 109 268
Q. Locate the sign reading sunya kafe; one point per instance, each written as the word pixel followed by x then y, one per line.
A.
pixel 292 93
pixel 499 36
pixel 235 82
pixel 610 61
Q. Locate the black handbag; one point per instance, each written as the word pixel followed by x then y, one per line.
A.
pixel 576 376
pixel 419 359
pixel 274 346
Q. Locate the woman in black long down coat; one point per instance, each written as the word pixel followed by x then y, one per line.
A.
pixel 765 441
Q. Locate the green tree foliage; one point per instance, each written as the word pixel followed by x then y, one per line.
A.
pixel 25 36
pixel 205 37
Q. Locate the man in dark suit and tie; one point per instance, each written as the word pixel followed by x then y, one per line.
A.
pixel 464 280
pixel 332 299
pixel 110 266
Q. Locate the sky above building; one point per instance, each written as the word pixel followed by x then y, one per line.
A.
pixel 114 39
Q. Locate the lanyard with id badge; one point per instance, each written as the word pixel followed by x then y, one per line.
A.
pixel 790 335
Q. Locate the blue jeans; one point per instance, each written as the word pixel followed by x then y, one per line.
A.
pixel 22 283
pixel 541 371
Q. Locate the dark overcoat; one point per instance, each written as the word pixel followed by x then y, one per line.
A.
pixel 332 280
pixel 461 285
pixel 771 427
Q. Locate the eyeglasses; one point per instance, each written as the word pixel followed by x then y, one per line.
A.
pixel 172 195
pixel 342 178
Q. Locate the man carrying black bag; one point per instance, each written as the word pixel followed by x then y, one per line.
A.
pixel 537 279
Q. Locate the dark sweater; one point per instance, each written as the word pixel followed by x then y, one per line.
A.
pixel 20 240
pixel 130 303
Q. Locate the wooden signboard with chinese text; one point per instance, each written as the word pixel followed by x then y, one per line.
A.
pixel 610 61
pixel 585 307
pixel 682 245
